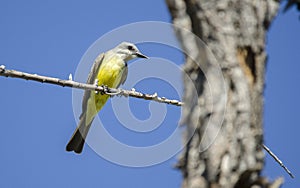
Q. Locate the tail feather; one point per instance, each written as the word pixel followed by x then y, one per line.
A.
pixel 77 140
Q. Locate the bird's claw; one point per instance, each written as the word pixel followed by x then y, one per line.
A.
pixel 105 89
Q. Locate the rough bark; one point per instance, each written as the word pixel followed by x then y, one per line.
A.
pixel 225 148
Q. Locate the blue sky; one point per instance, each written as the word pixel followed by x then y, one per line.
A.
pixel 50 38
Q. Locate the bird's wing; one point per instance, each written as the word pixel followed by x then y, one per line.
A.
pixel 124 76
pixel 91 79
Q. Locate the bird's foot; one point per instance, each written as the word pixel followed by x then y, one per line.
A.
pixel 105 89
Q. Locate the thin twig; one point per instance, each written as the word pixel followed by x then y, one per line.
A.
pixel 278 160
pixel 73 84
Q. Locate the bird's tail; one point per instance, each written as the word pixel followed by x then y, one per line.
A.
pixel 78 138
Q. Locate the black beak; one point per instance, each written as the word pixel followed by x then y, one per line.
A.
pixel 139 54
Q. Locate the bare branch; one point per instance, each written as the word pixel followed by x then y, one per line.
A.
pixel 108 91
pixel 278 160
pixel 73 84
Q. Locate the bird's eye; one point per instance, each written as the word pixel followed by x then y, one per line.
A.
pixel 130 48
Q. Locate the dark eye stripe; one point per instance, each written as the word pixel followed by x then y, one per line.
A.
pixel 130 48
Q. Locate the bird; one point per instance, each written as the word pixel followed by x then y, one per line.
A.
pixel 110 71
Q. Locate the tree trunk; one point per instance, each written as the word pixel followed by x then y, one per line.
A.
pixel 224 116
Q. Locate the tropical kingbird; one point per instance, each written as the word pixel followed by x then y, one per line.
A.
pixel 110 70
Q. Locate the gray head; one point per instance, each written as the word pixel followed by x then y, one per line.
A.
pixel 128 51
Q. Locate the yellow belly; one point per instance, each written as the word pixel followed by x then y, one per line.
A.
pixel 110 74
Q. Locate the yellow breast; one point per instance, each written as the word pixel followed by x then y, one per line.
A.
pixel 110 74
